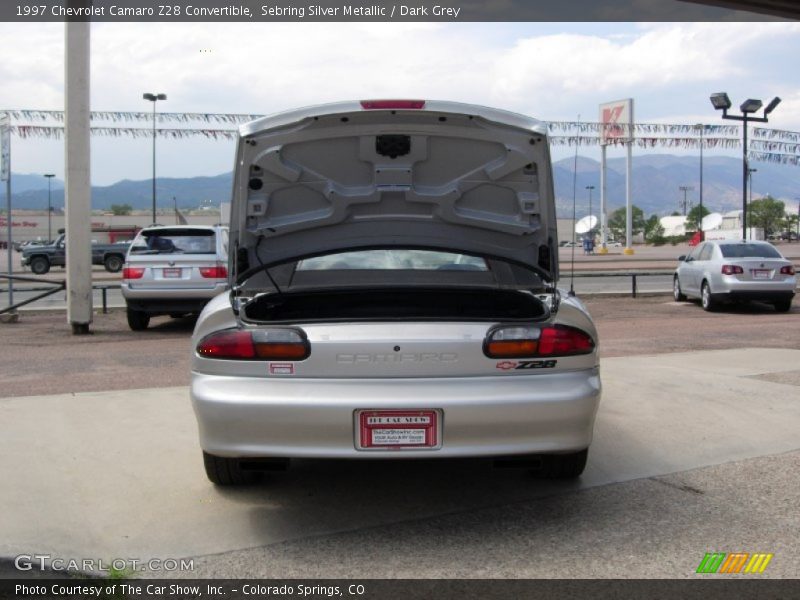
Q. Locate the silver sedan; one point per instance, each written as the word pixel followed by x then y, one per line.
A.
pixel 729 271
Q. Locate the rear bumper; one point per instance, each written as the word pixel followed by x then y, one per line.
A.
pixel 166 293
pixel 481 416
pixel 733 290
pixel 160 302
pixel 155 301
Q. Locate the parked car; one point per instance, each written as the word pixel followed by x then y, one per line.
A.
pixel 41 257
pixel 728 271
pixel 20 246
pixel 173 271
pixel 392 297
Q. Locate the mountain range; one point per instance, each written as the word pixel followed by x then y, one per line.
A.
pixel 655 186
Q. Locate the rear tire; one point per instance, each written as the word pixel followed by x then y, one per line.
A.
pixel 783 305
pixel 676 290
pixel 226 471
pixel 113 263
pixel 706 299
pixel 40 265
pixel 138 320
pixel 562 466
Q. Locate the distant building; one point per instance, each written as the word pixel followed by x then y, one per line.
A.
pixel 673 225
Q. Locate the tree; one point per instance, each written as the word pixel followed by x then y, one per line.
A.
pixel 694 218
pixel 766 213
pixel 121 209
pixel 653 230
pixel 789 225
pixel 616 222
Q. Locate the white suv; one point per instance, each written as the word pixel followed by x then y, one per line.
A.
pixel 174 270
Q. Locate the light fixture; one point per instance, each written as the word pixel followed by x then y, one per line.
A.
pixel 771 106
pixel 750 105
pixel 721 101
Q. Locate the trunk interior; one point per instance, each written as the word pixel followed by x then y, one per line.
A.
pixel 399 303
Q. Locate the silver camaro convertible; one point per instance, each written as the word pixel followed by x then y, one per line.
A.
pixel 392 295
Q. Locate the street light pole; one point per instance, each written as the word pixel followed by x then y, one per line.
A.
pixel 749 107
pixel 154 98
pixel 49 206
pixel 750 176
pixel 590 188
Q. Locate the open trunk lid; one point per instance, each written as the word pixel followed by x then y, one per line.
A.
pixel 394 174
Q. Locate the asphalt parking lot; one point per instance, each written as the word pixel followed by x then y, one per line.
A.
pixel 696 451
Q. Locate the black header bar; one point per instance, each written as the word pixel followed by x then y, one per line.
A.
pixel 269 11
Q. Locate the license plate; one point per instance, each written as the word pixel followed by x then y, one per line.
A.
pixel 760 274
pixel 398 429
pixel 172 273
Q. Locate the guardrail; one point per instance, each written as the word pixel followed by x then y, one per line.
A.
pixel 56 287
pixel 632 274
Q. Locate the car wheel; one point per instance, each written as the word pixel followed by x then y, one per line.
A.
pixel 783 305
pixel 676 290
pixel 138 320
pixel 227 471
pixel 40 265
pixel 562 466
pixel 113 264
pixel 706 299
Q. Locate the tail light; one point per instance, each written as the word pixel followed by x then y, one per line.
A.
pixel 256 344
pixel 392 104
pixel 788 270
pixel 522 342
pixel 732 270
pixel 218 271
pixel 132 272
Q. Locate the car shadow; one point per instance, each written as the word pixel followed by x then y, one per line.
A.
pixel 752 307
pixel 184 324
pixel 326 496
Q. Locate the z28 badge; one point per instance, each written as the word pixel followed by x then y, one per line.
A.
pixel 508 365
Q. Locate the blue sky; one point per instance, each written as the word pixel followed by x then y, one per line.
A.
pixel 552 71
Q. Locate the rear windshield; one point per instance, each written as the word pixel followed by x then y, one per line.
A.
pixel 383 260
pixel 749 251
pixel 175 241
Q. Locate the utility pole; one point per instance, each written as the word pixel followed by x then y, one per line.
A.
pixel 685 189
pixel 78 190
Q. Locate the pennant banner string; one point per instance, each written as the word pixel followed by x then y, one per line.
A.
pixel 553 126
pixel 775 157
pixel 121 116
pixel 776 134
pixel 39 131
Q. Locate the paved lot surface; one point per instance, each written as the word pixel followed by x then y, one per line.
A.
pixel 118 474
pixel 695 451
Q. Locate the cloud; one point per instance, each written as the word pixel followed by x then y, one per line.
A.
pixel 557 68
pixel 548 70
